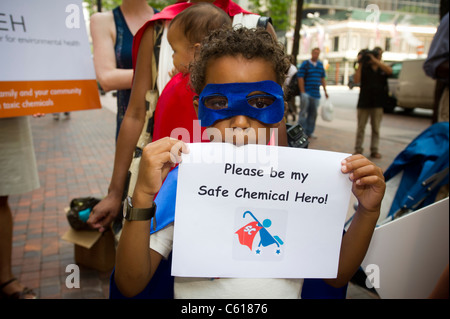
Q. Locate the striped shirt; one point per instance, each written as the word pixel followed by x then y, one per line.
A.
pixel 312 76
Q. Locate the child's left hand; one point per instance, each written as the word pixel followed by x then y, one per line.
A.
pixel 368 182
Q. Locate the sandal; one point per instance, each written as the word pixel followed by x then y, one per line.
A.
pixel 26 292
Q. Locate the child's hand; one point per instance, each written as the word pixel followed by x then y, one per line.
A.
pixel 156 161
pixel 368 182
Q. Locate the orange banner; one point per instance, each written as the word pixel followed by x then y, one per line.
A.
pixel 19 98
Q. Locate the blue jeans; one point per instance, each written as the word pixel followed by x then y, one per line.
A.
pixel 308 113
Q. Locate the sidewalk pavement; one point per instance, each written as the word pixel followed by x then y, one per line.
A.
pixel 75 159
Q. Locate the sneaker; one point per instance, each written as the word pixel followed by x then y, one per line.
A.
pixel 375 155
pixel 56 116
pixel 312 136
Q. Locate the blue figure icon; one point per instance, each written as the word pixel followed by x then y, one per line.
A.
pixel 266 239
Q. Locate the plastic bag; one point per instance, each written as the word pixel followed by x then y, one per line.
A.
pixel 327 111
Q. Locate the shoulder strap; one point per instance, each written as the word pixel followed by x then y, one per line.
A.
pixel 157 36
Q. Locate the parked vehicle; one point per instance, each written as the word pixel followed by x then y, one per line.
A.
pixel 409 86
pixel 392 84
pixel 414 88
pixel 393 78
pixel 351 83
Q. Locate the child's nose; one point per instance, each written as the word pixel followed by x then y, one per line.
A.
pixel 240 121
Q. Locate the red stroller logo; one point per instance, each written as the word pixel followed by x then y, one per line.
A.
pixel 247 234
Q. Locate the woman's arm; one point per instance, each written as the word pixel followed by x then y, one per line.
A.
pixel 384 67
pixel 103 35
pixel 130 130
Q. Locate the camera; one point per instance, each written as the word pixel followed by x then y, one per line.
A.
pixel 364 55
pixel 296 136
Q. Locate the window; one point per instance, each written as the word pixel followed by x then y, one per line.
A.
pixel 387 44
pixel 335 44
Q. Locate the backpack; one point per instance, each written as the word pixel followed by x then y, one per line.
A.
pixel 293 89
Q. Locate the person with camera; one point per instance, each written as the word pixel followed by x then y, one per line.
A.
pixel 372 74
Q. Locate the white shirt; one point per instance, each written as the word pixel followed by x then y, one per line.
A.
pixel 216 288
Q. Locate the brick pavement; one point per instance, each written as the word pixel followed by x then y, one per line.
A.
pixel 75 159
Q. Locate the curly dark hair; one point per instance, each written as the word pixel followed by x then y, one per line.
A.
pixel 249 43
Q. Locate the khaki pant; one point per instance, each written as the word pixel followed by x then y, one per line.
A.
pixel 443 106
pixel 375 115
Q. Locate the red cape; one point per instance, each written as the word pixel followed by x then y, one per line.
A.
pixel 174 110
pixel 171 11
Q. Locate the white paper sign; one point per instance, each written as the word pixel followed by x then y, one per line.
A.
pixel 259 211
pixel 407 256
pixel 46 62
pixel 44 40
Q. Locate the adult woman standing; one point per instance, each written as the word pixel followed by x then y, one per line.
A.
pixel 112 37
pixel 18 175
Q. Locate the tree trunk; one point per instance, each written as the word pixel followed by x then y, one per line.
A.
pixel 298 25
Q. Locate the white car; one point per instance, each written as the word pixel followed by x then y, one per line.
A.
pixel 414 88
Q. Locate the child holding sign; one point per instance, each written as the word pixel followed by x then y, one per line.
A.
pixel 238 75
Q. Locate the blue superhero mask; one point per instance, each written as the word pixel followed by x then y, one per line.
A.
pixel 221 101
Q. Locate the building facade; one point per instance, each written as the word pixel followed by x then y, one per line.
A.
pixel 407 6
pixel 341 28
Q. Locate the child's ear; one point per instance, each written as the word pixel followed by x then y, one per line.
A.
pixel 197 47
pixel 195 103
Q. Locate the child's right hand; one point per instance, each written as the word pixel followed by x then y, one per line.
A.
pixel 156 161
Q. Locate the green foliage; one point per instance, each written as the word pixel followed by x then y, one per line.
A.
pixel 278 10
pixel 160 4
pixel 108 5
pixel 415 9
